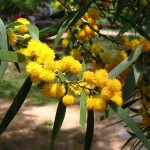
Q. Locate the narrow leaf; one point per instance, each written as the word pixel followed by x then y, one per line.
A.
pixel 61 76
pixel 16 104
pixel 125 63
pixel 131 124
pixel 132 80
pixel 89 130
pixel 3 45
pixel 12 56
pixel 13 24
pixel 60 114
pixel 34 31
pixel 71 19
pixel 80 74
pixel 83 108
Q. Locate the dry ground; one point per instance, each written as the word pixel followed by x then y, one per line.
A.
pixel 31 130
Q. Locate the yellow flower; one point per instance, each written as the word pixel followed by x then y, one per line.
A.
pixel 65 42
pixel 120 56
pixel 94 13
pixel 81 35
pixel 99 104
pixel 88 77
pixel 117 98
pixel 125 40
pixel 146 44
pixel 134 44
pixel 101 78
pixel 106 93
pixel 68 63
pixel 12 38
pixel 106 57
pixel 114 85
pixel 107 3
pixel 75 53
pixel 68 100
pixel 26 36
pixel 22 28
pixel 96 103
pixel 55 90
pixel 95 48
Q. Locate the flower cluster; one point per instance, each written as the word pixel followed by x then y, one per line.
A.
pixel 103 89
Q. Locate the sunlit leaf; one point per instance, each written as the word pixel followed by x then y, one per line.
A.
pixel 131 124
pixel 125 63
pixel 83 108
pixel 16 104
pixel 71 19
pixel 4 46
pixel 12 56
pixel 34 31
pixel 132 80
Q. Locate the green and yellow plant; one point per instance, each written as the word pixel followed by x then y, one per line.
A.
pixel 106 81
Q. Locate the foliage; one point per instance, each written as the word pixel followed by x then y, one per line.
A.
pixel 103 80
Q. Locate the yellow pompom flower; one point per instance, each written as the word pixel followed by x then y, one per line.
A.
pixel 65 42
pixel 146 44
pixel 114 85
pixel 120 56
pixel 22 28
pixel 47 75
pixel 53 90
pixel 101 78
pixel 88 76
pixel 134 44
pixel 125 40
pixel 75 67
pixel 106 93
pixel 106 57
pixel 99 104
pixel 117 98
pixel 34 69
pixel 81 35
pixel 94 13
pixel 95 103
pixel 12 38
pixel 68 100
pixel 75 53
pixel 90 103
pixel 95 48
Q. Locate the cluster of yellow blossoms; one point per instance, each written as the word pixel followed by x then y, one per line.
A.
pixel 133 44
pixel 103 89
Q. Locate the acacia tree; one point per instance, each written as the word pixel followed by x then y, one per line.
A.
pixel 114 83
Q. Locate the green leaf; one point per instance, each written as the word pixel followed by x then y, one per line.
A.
pixel 131 124
pixel 136 27
pixel 12 56
pixel 34 31
pixel 132 80
pixel 15 106
pixel 125 63
pixel 71 19
pixel 127 25
pixel 3 45
pixel 107 114
pixel 50 31
pixel 13 24
pixel 83 108
pixel 61 76
pixel 60 114
pixel 80 74
pixel 89 130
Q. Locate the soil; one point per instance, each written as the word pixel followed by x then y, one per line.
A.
pixel 32 127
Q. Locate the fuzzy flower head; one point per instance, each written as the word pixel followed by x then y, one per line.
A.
pixel 106 57
pixel 68 100
pixel 75 53
pixel 117 98
pixel 101 77
pixel 89 77
pixel 95 48
pixel 12 38
pixel 95 103
pixel 134 44
pixel 22 28
pixel 53 90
